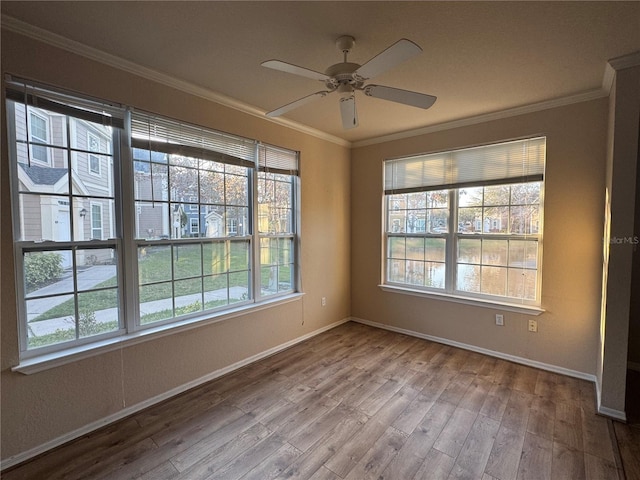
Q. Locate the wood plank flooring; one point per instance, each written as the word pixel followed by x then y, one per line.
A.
pixel 355 403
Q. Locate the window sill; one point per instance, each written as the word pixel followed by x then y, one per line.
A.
pixel 508 307
pixel 40 363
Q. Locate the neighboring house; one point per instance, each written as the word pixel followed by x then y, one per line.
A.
pixel 158 217
pixel 43 173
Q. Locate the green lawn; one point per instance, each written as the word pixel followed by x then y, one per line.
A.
pixel 216 266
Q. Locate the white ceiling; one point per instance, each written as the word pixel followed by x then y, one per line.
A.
pixel 479 57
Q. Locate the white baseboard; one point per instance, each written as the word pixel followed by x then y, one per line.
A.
pixel 612 413
pixel 606 411
pixel 485 351
pixel 602 410
pixel 56 442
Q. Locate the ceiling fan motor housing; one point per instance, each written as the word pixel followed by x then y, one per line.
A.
pixel 342 74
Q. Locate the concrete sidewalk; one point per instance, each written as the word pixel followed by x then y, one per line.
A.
pixel 45 327
pixel 86 279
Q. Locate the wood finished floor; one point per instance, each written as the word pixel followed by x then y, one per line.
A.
pixel 355 403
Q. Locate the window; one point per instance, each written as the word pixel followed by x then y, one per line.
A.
pixel 232 226
pixel 194 227
pixel 93 143
pixel 175 207
pixel 96 221
pixel 56 219
pixel 39 137
pixel 467 223
pixel 276 221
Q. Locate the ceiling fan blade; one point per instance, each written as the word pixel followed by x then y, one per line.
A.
pixel 298 103
pixel 397 53
pixel 296 70
pixel 414 99
pixel 348 112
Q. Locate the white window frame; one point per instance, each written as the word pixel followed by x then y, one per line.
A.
pixel 93 208
pixel 93 158
pixel 452 238
pixel 232 226
pixel 194 222
pixel 126 246
pixel 34 139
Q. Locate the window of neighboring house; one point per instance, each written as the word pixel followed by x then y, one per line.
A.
pixel 194 227
pixel 56 236
pixel 467 223
pixel 193 205
pixel 93 142
pixel 96 221
pixel 246 191
pixel 39 128
pixel 232 226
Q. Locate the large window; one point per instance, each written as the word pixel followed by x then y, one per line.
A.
pixel 58 223
pixel 467 223
pixel 198 221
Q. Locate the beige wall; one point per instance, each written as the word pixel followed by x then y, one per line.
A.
pixel 43 407
pixel 568 331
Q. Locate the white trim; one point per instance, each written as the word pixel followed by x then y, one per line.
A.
pixel 45 36
pixel 625 61
pixel 477 302
pixel 615 64
pixel 487 117
pixel 612 413
pixel 24 456
pixel 606 411
pixel 608 78
pixel 58 358
pixel 485 351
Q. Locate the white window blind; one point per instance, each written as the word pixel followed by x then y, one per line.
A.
pixel 161 134
pixel 277 160
pixel 509 162
pixel 34 95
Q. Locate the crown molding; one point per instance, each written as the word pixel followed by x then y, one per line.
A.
pixel 619 63
pixel 626 61
pixel 18 26
pixel 45 36
pixel 488 117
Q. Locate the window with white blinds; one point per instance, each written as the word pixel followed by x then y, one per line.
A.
pixel 507 162
pixel 197 222
pixel 467 223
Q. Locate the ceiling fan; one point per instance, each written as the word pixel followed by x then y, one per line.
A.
pixel 346 77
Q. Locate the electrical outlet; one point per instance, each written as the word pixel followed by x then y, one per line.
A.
pixel 499 319
pixel 533 325
pixel 323 301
